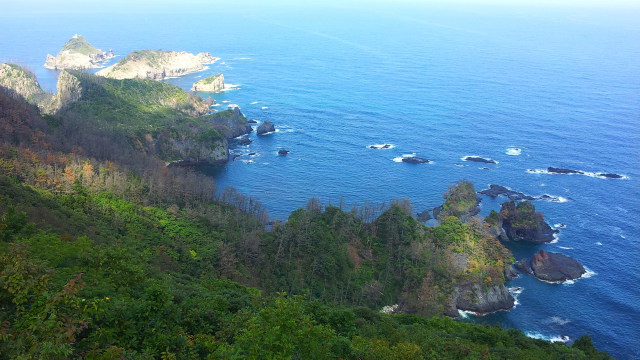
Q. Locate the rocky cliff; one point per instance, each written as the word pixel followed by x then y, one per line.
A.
pixel 157 64
pixel 25 84
pixel 230 123
pixel 482 300
pixel 213 83
pixel 77 53
pixel 521 222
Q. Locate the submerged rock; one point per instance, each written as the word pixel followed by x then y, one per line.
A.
pixel 496 190
pixel 554 170
pixel 552 267
pixel 283 152
pixel 266 127
pixel 424 216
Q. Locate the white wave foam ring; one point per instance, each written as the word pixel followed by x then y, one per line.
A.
pixel 264 107
pixel 513 151
pixel 599 243
pixel 229 87
pixel 253 102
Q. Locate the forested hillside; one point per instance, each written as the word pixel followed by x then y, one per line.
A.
pixel 106 253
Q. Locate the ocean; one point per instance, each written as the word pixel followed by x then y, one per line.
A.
pixel 561 84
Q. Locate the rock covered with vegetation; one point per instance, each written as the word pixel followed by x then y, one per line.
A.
pixel 521 222
pixel 214 83
pixel 231 123
pixel 157 64
pixel 461 201
pixel 78 54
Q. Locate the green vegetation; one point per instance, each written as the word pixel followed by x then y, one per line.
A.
pixel 522 214
pixel 209 80
pixel 461 199
pixel 108 254
pixel 78 44
pixel 151 57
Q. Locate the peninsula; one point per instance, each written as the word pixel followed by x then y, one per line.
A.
pixel 157 64
pixel 78 54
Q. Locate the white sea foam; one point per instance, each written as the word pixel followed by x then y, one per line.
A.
pixel 565 247
pixel 384 146
pixel 556 237
pixel 599 243
pixel 215 105
pixel 465 314
pixel 229 87
pixel 226 101
pixel 242 58
pixel 264 107
pixel 515 292
pixel 556 338
pixel 557 320
pixel 399 158
pixel 248 161
pixel 233 106
pixel 559 226
pixel 588 273
pixel 253 102
pixel 599 175
pixel 553 198
pixel 513 151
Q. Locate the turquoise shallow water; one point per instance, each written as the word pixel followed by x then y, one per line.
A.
pixel 561 84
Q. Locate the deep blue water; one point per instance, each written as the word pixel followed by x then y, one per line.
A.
pixel 562 84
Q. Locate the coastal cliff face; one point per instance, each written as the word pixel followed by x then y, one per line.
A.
pixel 521 222
pixel 230 123
pixel 78 54
pixel 213 83
pixel 157 64
pixel 25 84
pixel 482 300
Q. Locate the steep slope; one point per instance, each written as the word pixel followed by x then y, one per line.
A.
pixel 25 84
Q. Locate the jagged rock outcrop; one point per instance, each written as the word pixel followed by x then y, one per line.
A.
pixel 522 223
pixel 77 53
pixel 157 64
pixel 551 267
pixel 266 127
pixel 461 201
pixel 230 123
pixel 213 83
pixel 480 299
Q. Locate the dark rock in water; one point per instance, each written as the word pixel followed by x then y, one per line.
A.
pixel 236 156
pixel 610 176
pixel 552 267
pixel 424 216
pixel 496 190
pixel 253 154
pixel 266 127
pixel 415 160
pixel 283 152
pixel 252 121
pixel 479 159
pixel 437 210
pixel 244 141
pixel 477 298
pixel 554 170
pixel 380 147
pixel 523 223
pixel 485 168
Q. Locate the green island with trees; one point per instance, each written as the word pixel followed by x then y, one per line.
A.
pixel 107 253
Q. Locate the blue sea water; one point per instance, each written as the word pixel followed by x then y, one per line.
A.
pixel 441 82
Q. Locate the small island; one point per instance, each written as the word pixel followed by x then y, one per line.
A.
pixel 551 267
pixel 78 54
pixel 213 83
pixel 157 65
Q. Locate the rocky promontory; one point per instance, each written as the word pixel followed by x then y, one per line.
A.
pixel 213 83
pixel 230 123
pixel 78 54
pixel 157 64
pixel 551 267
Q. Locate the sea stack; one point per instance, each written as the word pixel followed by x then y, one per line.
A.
pixel 213 83
pixel 78 54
